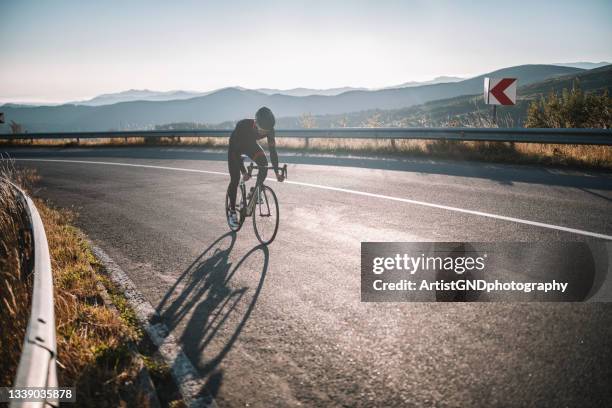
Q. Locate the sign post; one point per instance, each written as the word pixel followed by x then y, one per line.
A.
pixel 499 91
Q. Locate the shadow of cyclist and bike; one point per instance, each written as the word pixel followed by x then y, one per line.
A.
pixel 211 303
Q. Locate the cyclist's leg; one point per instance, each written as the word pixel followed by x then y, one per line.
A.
pixel 233 163
pixel 257 154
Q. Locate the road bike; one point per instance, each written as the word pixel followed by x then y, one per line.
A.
pixel 261 203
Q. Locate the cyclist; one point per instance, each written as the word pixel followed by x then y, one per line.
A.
pixel 243 140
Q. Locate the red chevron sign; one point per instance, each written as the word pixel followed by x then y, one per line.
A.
pixel 500 91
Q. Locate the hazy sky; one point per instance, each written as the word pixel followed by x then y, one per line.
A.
pixel 67 50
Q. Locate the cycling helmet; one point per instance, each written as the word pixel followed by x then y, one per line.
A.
pixel 265 118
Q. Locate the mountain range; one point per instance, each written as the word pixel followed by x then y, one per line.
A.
pixel 338 91
pixel 138 95
pixel 148 95
pixel 230 104
pixel 465 110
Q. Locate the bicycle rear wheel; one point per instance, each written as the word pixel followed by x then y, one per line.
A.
pixel 266 216
pixel 240 206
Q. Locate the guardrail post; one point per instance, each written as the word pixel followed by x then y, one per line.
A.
pixel 393 146
pixel 306 142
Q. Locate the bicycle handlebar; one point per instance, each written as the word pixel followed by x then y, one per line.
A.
pixel 251 166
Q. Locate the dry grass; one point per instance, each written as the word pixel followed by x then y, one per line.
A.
pixel 92 338
pixel 15 279
pixel 583 156
pixel 574 155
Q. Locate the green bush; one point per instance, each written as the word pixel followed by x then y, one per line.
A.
pixel 573 109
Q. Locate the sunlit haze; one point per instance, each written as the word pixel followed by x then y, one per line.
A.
pixel 70 50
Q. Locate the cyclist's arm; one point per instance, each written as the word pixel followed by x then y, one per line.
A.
pixel 272 147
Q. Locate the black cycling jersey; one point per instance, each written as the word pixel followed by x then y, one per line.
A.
pixel 243 140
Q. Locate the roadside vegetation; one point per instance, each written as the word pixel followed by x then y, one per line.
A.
pixel 573 108
pixel 15 280
pixel 99 345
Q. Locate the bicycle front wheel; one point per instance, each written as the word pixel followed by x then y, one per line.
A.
pixel 266 216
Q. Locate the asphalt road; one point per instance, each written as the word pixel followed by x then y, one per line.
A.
pixel 284 325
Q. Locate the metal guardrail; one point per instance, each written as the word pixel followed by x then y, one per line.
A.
pixel 37 365
pixel 520 135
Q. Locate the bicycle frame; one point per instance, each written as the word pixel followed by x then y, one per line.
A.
pixel 254 201
pixel 250 205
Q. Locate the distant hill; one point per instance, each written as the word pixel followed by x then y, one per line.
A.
pixel 338 91
pixel 148 95
pixel 231 104
pixel 309 91
pixel 584 65
pixel 437 80
pixel 132 95
pixel 138 95
pixel 463 110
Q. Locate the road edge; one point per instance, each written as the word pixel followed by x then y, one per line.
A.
pixel 192 387
pixel 144 377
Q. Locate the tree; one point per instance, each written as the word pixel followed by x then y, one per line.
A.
pixel 342 122
pixel 375 120
pixel 307 121
pixel 573 109
pixel 16 127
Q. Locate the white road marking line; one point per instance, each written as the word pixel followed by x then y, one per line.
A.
pixel 149 166
pixel 356 192
pixel 461 210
